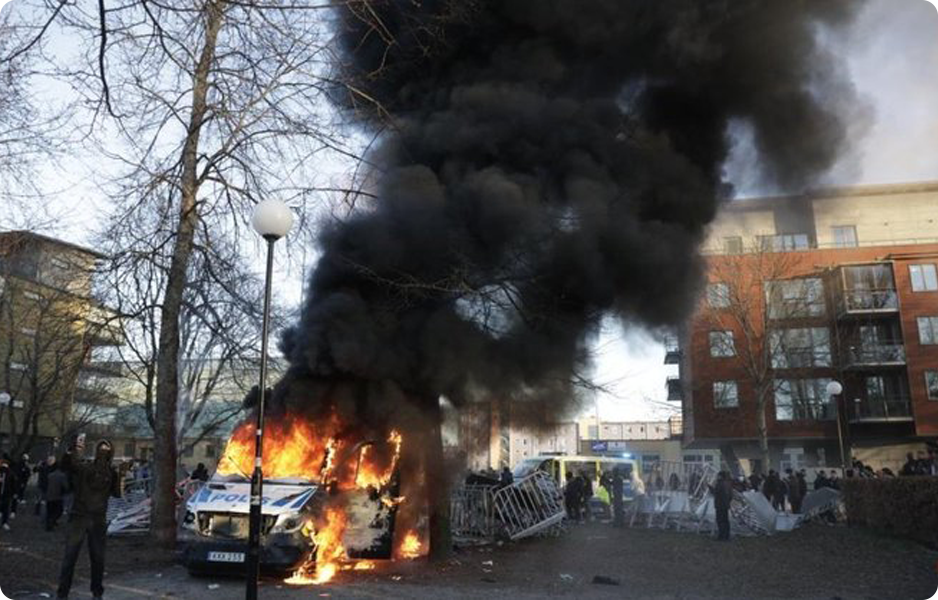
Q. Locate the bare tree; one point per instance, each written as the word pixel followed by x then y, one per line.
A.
pixel 203 108
pixel 765 310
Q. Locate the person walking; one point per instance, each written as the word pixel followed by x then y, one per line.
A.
pixel 56 488
pixel 505 479
pixel 722 491
pixel 42 471
pixel 618 510
pixel 8 490
pixel 794 491
pixel 94 483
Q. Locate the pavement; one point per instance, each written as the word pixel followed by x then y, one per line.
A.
pixel 816 562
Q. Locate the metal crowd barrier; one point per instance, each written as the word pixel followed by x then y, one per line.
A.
pixel 530 506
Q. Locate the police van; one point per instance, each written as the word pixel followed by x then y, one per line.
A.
pixel 213 533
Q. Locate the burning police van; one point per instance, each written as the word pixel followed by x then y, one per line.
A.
pixel 346 512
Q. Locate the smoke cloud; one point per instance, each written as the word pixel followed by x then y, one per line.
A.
pixel 545 163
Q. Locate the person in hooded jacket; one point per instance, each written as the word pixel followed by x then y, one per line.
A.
pixel 94 482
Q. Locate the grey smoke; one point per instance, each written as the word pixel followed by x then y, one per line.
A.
pixel 548 162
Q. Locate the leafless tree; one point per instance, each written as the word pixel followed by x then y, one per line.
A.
pixel 202 108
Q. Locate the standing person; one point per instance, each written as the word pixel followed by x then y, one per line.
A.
pixel 586 487
pixel 56 488
pixel 201 473
pixel 42 482
pixel 7 490
pixel 94 483
pixel 910 467
pixel 833 482
pixel 618 511
pixel 755 481
pixel 778 498
pixel 768 486
pixel 794 491
pixel 802 489
pixel 820 480
pixel 572 496
pixel 504 480
pixel 23 473
pixel 722 491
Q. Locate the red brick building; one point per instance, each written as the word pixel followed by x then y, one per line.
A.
pixel 841 286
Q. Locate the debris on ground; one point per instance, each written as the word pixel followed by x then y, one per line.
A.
pixel 603 580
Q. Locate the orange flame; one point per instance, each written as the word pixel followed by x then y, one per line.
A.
pixel 295 448
pixel 328 552
pixel 411 546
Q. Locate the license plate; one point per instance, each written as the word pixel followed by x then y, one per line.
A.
pixel 228 557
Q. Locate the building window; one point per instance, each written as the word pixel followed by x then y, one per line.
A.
pixel 800 348
pixel 593 432
pixel 128 449
pixel 721 344
pixel 209 450
pixel 788 242
pixel 188 452
pixel 924 278
pixel 733 245
pixel 802 400
pixel 793 298
pixel 931 384
pixel 718 295
pixel 845 236
pixel 725 394
pixel 927 330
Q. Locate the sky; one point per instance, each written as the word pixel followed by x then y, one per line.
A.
pixel 892 56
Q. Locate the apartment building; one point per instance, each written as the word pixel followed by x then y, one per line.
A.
pixel 52 334
pixel 835 285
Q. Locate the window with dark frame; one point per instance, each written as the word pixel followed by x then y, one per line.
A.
pixel 718 295
pixel 722 344
pixel 725 394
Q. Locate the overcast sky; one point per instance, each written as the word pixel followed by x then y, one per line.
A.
pixel 892 55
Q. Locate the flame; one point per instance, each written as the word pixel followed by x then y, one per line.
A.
pixel 292 448
pixel 295 447
pixel 371 471
pixel 411 546
pixel 328 551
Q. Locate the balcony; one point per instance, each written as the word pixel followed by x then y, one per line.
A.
pixel 865 302
pixel 881 410
pixel 874 355
pixel 672 351
pixel 675 389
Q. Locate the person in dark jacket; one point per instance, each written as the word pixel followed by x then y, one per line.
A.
pixel 42 482
pixel 722 491
pixel 56 488
pixel 200 473
pixel 820 480
pixel 573 496
pixel 94 483
pixel 618 510
pixel 506 478
pixel 8 488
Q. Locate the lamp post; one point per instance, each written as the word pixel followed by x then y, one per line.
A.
pixel 272 219
pixel 834 388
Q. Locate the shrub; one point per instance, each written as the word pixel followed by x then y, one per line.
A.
pixel 904 506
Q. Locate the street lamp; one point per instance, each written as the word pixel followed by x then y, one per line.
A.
pixel 834 388
pixel 272 219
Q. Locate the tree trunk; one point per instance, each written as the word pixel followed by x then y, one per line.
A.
pixel 437 489
pixel 163 518
pixel 763 430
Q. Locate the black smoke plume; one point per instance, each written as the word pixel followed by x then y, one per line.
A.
pixel 544 163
